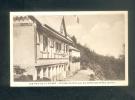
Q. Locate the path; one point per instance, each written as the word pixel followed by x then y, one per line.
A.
pixel 82 75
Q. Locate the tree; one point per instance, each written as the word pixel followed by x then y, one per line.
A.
pixel 74 40
pixel 122 56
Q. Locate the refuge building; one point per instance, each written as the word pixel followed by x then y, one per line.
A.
pixel 42 46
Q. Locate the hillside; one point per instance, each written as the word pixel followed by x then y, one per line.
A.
pixel 105 67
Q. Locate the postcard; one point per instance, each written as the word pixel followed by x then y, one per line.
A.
pixel 68 48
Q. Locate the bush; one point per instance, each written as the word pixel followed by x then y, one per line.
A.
pixel 19 74
pixel 24 78
pixel 18 70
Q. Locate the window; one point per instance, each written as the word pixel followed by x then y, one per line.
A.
pixel 51 43
pixel 66 48
pixel 58 46
pixel 45 42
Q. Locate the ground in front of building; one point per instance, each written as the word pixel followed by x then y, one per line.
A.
pixel 82 75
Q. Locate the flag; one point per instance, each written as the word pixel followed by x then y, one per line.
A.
pixel 77 18
pixel 61 27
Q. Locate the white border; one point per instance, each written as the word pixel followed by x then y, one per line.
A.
pixel 69 83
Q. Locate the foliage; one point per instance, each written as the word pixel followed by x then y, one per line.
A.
pixel 24 78
pixel 74 40
pixel 19 74
pixel 18 70
pixel 75 59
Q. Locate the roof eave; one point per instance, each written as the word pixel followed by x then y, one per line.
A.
pixel 56 33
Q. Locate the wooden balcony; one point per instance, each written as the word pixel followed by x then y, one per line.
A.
pixel 51 61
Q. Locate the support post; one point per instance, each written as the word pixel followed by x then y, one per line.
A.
pixel 35 74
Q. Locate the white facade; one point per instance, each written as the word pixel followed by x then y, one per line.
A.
pixel 45 51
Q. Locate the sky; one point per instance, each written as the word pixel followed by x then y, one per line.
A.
pixel 105 34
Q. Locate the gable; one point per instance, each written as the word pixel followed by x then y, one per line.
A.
pixel 55 22
pixel 63 28
pixel 52 21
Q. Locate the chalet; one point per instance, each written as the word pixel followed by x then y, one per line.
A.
pixel 42 46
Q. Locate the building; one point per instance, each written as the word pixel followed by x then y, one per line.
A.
pixel 44 50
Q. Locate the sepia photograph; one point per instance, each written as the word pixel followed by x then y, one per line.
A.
pixel 69 48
